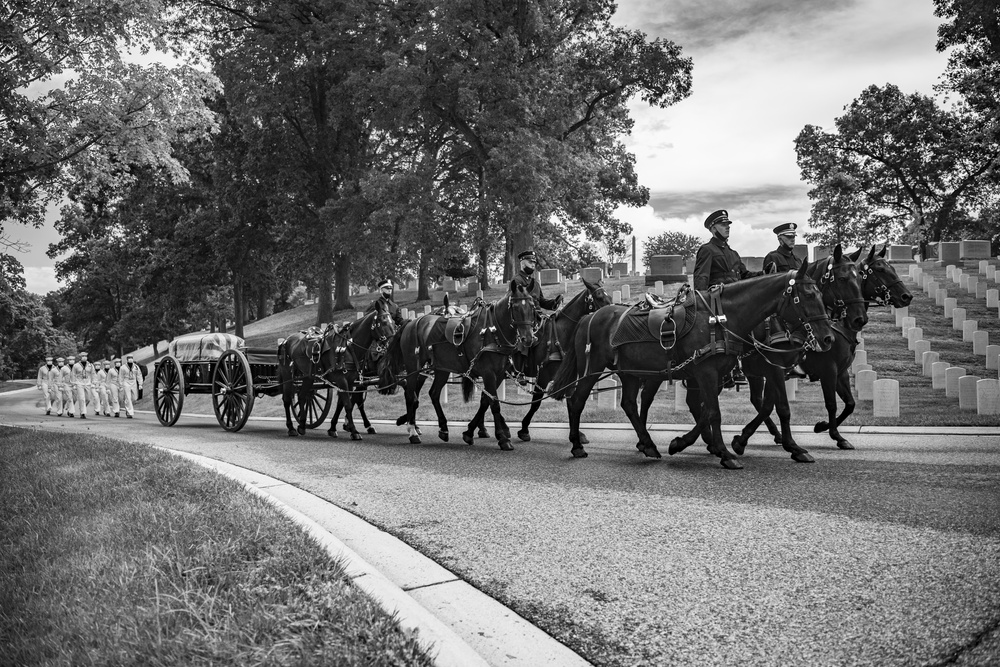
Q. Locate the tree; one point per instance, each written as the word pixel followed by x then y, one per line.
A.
pixel 670 243
pixel 67 97
pixel 26 331
pixel 896 158
pixel 973 35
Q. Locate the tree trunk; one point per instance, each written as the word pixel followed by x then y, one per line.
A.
pixel 324 311
pixel 156 351
pixel 262 304
pixel 211 325
pixel 484 233
pixel 342 284
pixel 508 258
pixel 239 307
pixel 423 286
pixel 484 275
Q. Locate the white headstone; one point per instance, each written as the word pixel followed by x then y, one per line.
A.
pixel 993 357
pixel 913 334
pixel 427 309
pixel 973 284
pixel 616 296
pixel 988 397
pixel 908 323
pixel 901 314
pixel 479 294
pixel 860 357
pixel 680 397
pixel 940 294
pixel 957 318
pixel 992 298
pixel 791 386
pixel 919 347
pixel 405 312
pixel 938 374
pixel 658 287
pixel 969 327
pixel 863 382
pixel 951 377
pixel 956 276
pixel 626 293
pixel 949 306
pixel 983 263
pixel 885 398
pixel 857 368
pixel 359 315
pixel 980 341
pixel 963 282
pixel 929 357
pixel 981 290
pixel 991 272
pixel 967 392
pixel 949 271
pixel 932 288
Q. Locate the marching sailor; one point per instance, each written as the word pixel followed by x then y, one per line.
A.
pixel 783 258
pixel 114 387
pixel 385 296
pixel 101 388
pixel 83 382
pixel 129 379
pixel 66 386
pixel 46 383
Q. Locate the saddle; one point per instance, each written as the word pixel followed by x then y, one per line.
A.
pixel 655 319
pixel 316 342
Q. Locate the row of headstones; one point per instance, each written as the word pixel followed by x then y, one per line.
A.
pixel 970 283
pixel 607 393
pixel 973 392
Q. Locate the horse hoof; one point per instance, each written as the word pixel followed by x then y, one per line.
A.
pixel 345 427
pixel 443 435
pixel 777 439
pixel 292 433
pixel 301 430
pixel 356 436
pixel 803 457
pixel 584 440
pixel 524 436
pixel 651 451
pixel 332 433
pixel 638 445
pixel 844 444
pixel 371 430
pixel 467 438
pixel 820 427
pixel 739 445
pixel 417 429
pixel 414 439
pixel 676 445
pixel 400 420
pixel 579 453
pixel 731 464
pixel 506 446
pixel 483 433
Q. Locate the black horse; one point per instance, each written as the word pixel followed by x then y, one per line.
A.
pixel 773 350
pixel 554 336
pixel 335 357
pixel 488 335
pixel 704 352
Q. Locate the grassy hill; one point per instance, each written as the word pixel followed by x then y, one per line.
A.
pixel 920 404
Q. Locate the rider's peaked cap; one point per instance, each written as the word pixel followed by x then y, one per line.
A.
pixel 385 283
pixel 787 228
pixel 527 254
pixel 722 215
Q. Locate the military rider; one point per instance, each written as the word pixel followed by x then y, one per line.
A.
pixel 783 258
pixel 385 296
pixel 525 277
pixel 718 264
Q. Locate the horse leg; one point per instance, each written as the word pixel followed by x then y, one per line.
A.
pixel 777 396
pixel 757 400
pixel 412 395
pixel 630 391
pixel 500 425
pixel 440 380
pixel 847 396
pixel 364 415
pixel 541 382
pixel 761 404
pixel 286 399
pixel 349 426
pixel 712 417
pixel 828 380
pixel 575 403
pixel 694 403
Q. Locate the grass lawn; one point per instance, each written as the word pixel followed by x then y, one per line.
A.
pixel 920 404
pixel 115 553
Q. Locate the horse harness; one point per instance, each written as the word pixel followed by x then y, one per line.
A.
pixel 883 294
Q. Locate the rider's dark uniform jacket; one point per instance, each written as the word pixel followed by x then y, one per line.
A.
pixel 783 258
pixel 532 287
pixel 717 263
pixel 390 307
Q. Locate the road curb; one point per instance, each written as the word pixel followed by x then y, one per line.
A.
pixel 459 624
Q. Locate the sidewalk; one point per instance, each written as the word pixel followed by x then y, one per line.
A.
pixel 463 626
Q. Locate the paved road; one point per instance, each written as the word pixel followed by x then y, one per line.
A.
pixel 889 554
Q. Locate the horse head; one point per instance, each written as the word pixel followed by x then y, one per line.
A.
pixel 803 301
pixel 520 310
pixel 382 327
pixel 840 284
pixel 880 283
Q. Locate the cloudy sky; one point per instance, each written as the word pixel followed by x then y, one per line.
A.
pixel 763 69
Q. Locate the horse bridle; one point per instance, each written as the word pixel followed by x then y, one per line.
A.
pixel 829 277
pixel 790 299
pixel 882 294
pixel 591 302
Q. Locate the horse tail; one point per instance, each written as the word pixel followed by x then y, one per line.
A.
pixel 468 387
pixel 566 377
pixel 389 365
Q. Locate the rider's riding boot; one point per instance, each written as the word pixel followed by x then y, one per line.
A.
pixel 796 371
pixel 738 376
